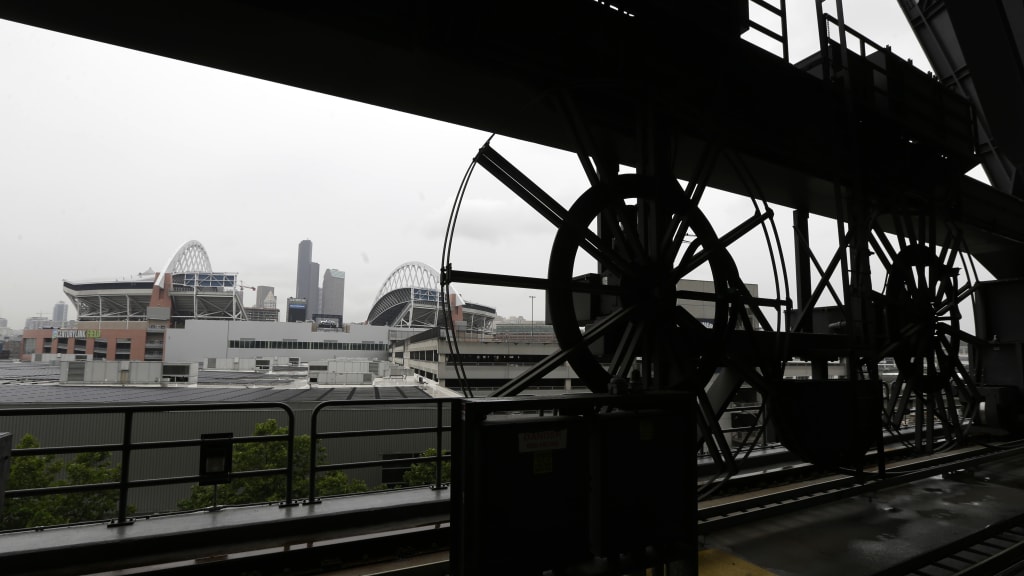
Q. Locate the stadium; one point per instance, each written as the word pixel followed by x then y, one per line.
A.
pixel 411 298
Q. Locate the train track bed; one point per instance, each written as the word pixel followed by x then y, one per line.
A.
pixel 930 517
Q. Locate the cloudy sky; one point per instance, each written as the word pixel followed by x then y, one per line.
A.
pixel 111 159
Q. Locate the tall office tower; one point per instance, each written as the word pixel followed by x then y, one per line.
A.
pixel 3 322
pixel 262 292
pixel 333 290
pixel 313 298
pixel 60 313
pixel 303 271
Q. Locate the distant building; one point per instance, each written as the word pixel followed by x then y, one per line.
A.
pixel 488 361
pixel 411 297
pixel 265 309
pixel 265 297
pixel 303 271
pixel 333 291
pixel 60 313
pixel 7 333
pixel 10 348
pixel 38 323
pixel 200 340
pixel 307 279
pixel 313 298
pixel 296 310
pixel 126 319
pixel 263 314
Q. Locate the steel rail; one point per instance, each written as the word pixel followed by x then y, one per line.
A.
pixel 987 552
pixel 713 518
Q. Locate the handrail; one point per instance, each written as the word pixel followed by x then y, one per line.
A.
pixel 127 446
pixel 863 40
pixel 315 436
pixel 782 35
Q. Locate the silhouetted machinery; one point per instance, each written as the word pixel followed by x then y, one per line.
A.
pixel 675 91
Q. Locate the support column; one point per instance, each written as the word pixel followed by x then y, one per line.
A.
pixel 804 292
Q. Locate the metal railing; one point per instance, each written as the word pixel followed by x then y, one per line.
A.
pixel 438 430
pixel 127 446
pixel 773 9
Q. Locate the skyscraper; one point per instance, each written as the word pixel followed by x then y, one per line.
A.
pixel 60 313
pixel 333 300
pixel 313 296
pixel 306 278
pixel 303 268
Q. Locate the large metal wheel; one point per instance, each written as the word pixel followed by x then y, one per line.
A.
pixel 933 392
pixel 653 238
pixel 643 294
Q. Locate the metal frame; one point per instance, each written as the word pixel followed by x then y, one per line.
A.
pixel 127 446
pixel 438 430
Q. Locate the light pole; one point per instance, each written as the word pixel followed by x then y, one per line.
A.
pixel 531 316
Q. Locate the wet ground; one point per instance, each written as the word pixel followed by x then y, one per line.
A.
pixel 866 534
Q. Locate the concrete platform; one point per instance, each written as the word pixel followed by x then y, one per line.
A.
pixel 190 537
pixel 867 534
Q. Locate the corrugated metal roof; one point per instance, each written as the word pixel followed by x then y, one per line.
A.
pixel 63 394
pixel 31 383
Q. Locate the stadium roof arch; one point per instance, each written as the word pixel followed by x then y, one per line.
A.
pixel 190 257
pixel 411 297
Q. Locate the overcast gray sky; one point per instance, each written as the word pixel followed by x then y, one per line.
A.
pixel 111 159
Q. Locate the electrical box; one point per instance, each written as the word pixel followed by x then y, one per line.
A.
pixel 998 307
pixel 637 465
pixel 559 483
pixel 526 495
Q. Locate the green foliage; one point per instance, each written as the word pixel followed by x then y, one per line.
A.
pixel 91 468
pixel 46 471
pixel 266 456
pixel 424 472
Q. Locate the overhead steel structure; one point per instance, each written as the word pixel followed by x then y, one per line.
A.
pixel 977 50
pixel 854 133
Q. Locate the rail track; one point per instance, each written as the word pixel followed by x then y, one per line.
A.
pixel 740 509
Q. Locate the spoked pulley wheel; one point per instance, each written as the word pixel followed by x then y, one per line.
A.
pixel 927 279
pixel 652 239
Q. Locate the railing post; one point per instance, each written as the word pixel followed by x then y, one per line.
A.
pixel 126 454
pixel 289 499
pixel 313 444
pixel 439 457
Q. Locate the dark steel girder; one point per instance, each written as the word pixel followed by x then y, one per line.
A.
pixel 504 66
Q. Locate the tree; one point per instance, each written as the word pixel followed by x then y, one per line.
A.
pixel 270 455
pixel 47 471
pixel 422 473
pixel 31 472
pixel 90 468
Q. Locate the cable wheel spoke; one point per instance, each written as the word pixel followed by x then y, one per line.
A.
pixel 724 242
pixel 626 350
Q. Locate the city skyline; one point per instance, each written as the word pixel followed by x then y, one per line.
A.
pixel 110 135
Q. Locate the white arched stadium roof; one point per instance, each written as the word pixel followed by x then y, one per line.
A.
pixel 191 257
pixel 410 275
